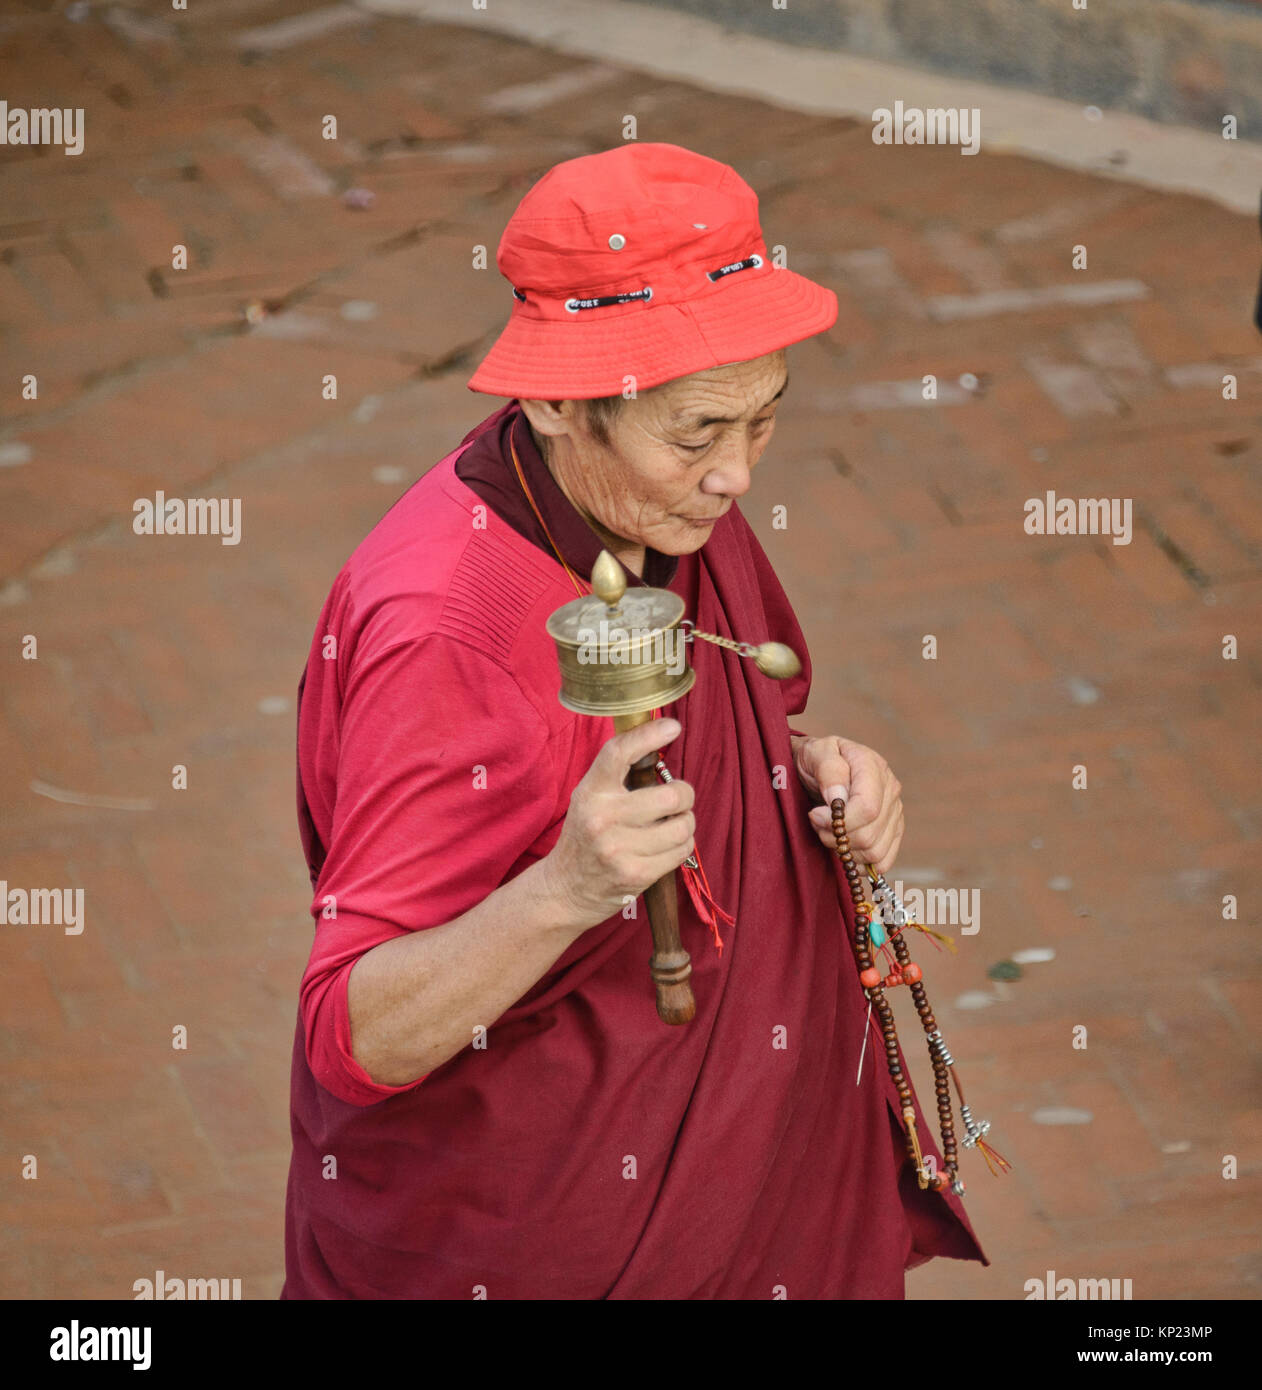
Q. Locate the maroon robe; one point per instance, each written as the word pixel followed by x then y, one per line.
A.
pixel 588 1150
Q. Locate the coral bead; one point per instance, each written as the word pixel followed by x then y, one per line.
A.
pixel 911 972
pixel 870 978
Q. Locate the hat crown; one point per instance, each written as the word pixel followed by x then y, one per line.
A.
pixel 602 222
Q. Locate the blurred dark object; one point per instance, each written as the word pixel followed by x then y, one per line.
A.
pixel 1257 308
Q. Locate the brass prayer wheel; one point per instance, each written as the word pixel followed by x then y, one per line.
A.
pixel 621 651
pixel 622 654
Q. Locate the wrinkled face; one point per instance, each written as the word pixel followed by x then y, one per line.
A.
pixel 677 458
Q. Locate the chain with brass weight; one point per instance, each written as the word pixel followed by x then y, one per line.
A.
pixel 622 655
pixel 773 659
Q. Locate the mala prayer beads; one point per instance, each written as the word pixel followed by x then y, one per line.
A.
pixel 872 935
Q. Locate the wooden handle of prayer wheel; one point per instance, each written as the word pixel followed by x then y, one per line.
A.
pixel 670 965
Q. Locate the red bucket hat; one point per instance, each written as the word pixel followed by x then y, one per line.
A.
pixel 646 261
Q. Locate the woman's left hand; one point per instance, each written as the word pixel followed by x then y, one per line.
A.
pixel 832 766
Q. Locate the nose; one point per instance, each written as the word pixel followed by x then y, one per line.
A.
pixel 730 477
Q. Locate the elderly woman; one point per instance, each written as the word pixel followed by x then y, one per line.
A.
pixel 484 1102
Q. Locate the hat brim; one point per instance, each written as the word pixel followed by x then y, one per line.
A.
pixel 596 352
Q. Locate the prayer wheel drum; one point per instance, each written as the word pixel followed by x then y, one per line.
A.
pixel 621 659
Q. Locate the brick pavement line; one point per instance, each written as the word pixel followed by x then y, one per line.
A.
pixel 704 54
pixel 947 308
pixel 1060 218
pixel 277 35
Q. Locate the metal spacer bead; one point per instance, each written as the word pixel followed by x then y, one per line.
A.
pixel 975 1131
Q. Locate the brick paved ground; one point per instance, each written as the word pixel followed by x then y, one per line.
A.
pixel 904 519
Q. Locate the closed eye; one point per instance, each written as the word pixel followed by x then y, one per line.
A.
pixel 760 426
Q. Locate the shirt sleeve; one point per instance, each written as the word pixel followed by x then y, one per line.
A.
pixel 443 783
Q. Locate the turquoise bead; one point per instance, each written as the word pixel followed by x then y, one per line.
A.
pixel 877 933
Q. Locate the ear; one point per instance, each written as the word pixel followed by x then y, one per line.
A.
pixel 551 418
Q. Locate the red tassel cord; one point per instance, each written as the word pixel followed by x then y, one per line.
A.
pixel 698 885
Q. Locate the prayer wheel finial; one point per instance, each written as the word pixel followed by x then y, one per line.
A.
pixel 609 579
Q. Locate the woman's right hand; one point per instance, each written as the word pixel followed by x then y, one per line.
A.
pixel 616 842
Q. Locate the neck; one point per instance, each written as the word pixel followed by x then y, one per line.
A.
pixel 627 553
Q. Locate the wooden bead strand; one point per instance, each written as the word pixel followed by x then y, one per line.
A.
pixel 941 1082
pixel 909 973
pixel 870 977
